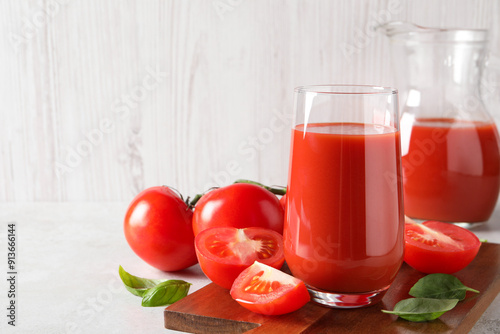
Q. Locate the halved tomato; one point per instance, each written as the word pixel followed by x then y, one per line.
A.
pixel 266 290
pixel 224 252
pixel 437 247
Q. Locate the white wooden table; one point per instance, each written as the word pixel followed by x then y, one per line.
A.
pixel 67 271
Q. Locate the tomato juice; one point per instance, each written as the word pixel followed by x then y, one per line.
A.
pixel 344 224
pixel 451 170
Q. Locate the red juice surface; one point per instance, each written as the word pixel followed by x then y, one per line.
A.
pixel 451 170
pixel 344 218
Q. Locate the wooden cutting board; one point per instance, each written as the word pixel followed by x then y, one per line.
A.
pixel 212 310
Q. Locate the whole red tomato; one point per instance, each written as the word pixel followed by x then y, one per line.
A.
pixel 158 228
pixel 238 205
pixel 283 201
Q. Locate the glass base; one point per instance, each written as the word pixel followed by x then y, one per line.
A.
pixel 346 300
pixel 469 226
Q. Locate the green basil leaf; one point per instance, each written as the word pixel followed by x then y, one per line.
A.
pixel 166 293
pixel 440 286
pixel 422 309
pixel 137 285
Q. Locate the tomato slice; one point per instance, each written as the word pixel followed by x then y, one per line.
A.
pixel 224 252
pixel 437 247
pixel 266 290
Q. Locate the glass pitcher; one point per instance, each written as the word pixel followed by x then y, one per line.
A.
pixel 450 144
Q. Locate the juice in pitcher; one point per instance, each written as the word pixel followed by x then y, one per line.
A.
pixel 451 170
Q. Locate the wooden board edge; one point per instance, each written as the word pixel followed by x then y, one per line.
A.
pixel 477 311
pixel 193 323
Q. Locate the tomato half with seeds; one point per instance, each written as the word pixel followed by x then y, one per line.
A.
pixel 224 252
pixel 437 247
pixel 266 290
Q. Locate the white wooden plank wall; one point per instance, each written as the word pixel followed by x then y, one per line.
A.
pixel 100 99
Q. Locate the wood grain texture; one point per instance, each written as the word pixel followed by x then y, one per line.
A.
pixel 103 98
pixel 212 310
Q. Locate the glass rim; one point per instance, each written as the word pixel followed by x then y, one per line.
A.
pixel 448 36
pixel 402 31
pixel 346 89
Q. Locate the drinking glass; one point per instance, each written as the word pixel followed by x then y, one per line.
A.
pixel 344 224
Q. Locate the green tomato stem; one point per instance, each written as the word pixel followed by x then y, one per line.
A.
pixel 275 190
pixel 191 203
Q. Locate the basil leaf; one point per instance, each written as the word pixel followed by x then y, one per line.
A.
pixel 165 293
pixel 440 286
pixel 137 285
pixel 422 309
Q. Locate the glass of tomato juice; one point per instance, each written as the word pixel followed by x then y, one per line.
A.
pixel 344 223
